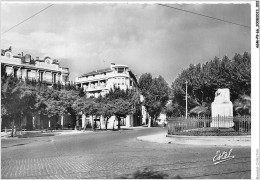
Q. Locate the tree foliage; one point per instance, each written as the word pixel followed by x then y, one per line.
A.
pixel 17 100
pixel 156 94
pixel 106 109
pixel 242 105
pixel 122 102
pixel 22 97
pixel 204 80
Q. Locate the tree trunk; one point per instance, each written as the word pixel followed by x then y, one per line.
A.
pixel 41 123
pixel 118 124
pixel 93 125
pixel 150 122
pixel 20 123
pixel 106 123
pixel 12 133
pixel 114 125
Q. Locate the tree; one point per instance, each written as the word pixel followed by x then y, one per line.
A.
pixel 59 102
pixel 106 110
pixel 92 107
pixel 242 105
pixel 20 98
pixel 204 80
pixel 123 102
pixel 121 108
pixel 17 100
pixel 10 100
pixel 156 94
pixel 202 110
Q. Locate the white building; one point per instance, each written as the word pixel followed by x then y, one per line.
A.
pixel 45 70
pixel 25 67
pixel 99 82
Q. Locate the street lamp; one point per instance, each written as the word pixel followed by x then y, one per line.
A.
pixel 186 99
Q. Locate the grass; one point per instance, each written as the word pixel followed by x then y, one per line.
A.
pixel 209 131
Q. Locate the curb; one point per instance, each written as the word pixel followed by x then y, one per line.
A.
pixel 195 140
pixel 225 138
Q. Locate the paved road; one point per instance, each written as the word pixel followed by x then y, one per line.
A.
pixel 116 155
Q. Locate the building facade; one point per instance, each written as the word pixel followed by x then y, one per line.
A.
pixel 99 82
pixel 45 70
pixel 26 67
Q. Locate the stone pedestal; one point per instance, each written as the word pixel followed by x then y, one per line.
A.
pixel 222 110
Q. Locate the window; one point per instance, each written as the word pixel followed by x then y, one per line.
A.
pixel 123 122
pixel 41 76
pixel 28 74
pixel 123 81
pixel 120 70
pixel 15 72
pixel 54 78
pixel 65 78
pixel 131 83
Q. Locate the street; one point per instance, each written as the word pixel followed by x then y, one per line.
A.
pixel 116 154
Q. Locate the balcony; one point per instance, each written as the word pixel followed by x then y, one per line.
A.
pixel 16 61
pixel 47 66
pixel 96 88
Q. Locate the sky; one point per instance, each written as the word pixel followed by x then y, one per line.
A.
pixel 149 38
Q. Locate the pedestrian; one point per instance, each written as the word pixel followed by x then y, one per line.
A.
pixel 164 124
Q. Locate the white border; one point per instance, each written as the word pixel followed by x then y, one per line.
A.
pixel 254 59
pixel 129 2
pixel 254 93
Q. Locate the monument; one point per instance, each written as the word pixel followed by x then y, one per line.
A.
pixel 222 110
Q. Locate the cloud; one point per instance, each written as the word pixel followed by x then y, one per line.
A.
pixel 147 37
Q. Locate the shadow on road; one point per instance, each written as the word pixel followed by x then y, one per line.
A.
pixel 32 135
pixel 147 173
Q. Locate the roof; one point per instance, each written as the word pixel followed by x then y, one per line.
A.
pixel 41 60
pixel 119 65
pixel 100 71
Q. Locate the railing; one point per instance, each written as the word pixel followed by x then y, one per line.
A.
pixel 207 126
pixel 92 88
pixel 18 61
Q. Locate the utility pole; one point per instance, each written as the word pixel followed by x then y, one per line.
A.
pixel 186 99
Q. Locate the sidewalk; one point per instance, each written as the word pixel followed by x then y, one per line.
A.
pixel 198 140
pixel 26 134
pixel 39 133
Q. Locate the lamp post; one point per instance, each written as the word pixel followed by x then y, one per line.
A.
pixel 186 99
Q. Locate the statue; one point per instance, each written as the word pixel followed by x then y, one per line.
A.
pixel 6 50
pixel 222 109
